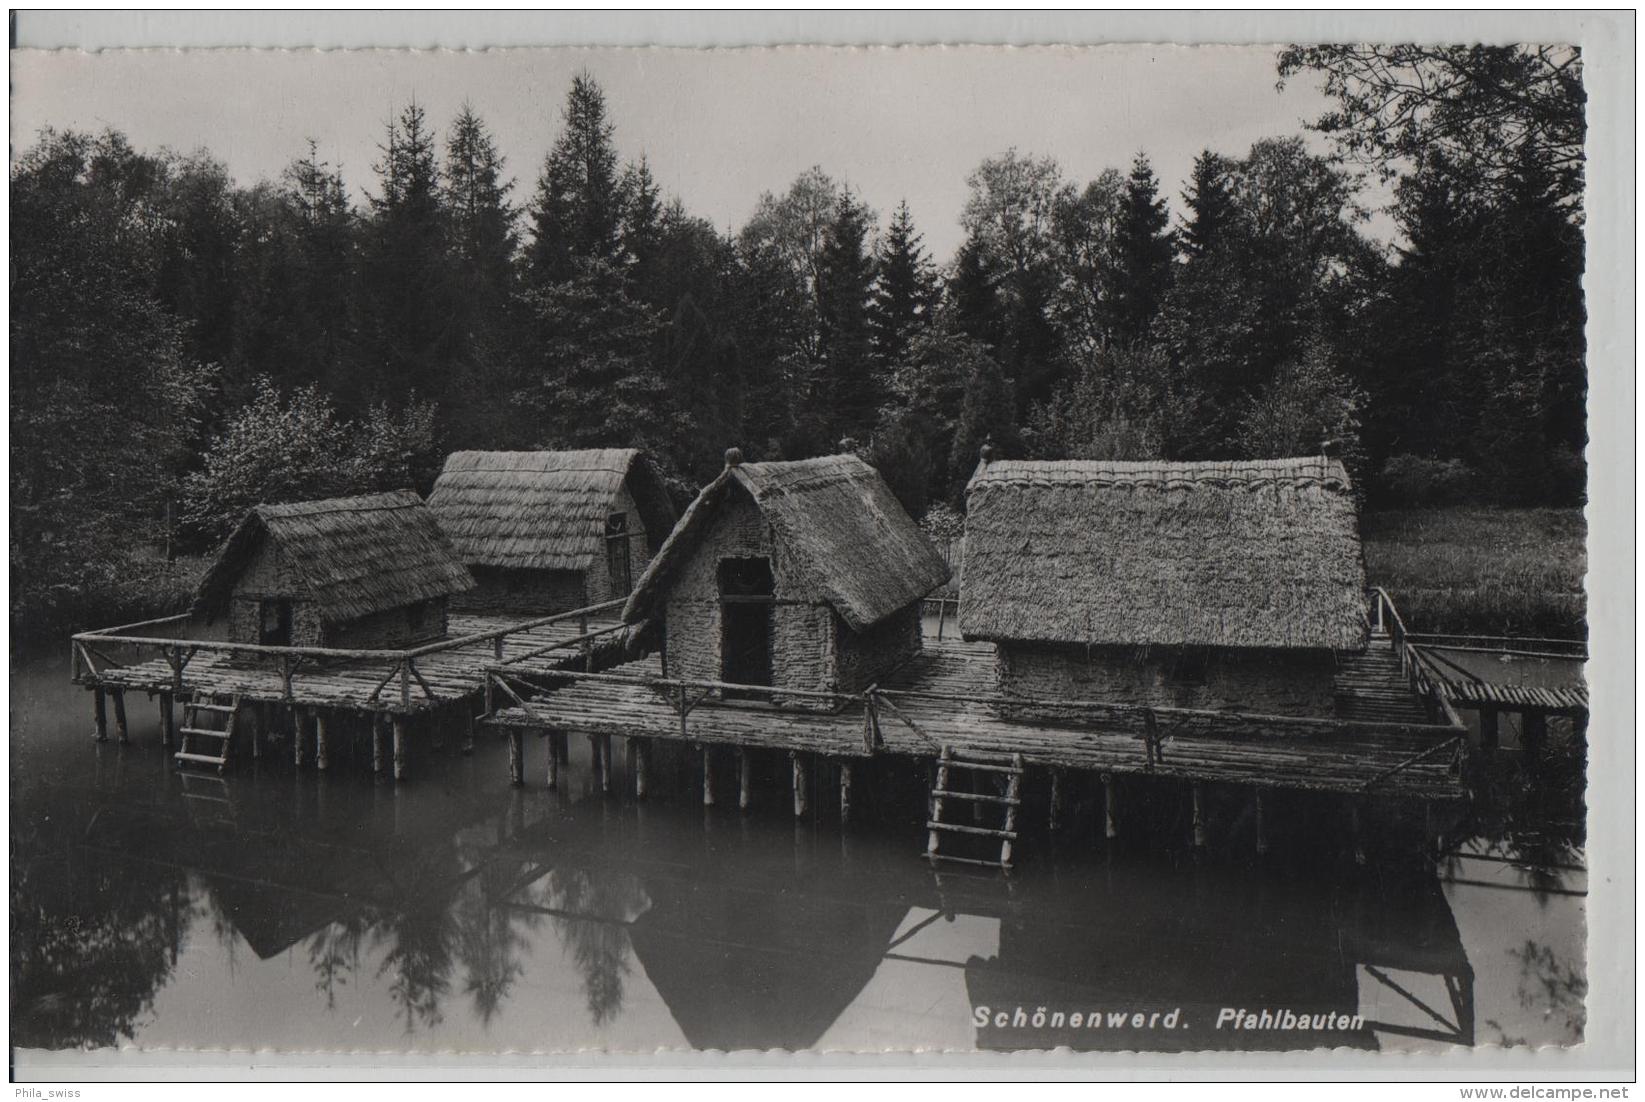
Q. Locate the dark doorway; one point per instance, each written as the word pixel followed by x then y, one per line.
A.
pixel 616 554
pixel 746 590
pixel 274 622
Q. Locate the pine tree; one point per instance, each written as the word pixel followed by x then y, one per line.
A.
pixel 641 227
pixel 483 236
pixel 904 293
pixel 973 296
pixel 1210 206
pixel 1144 251
pixel 845 280
pixel 577 212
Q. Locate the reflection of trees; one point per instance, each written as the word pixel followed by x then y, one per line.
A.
pixel 1551 989
pixel 420 945
pixel 92 940
pixel 603 904
pixel 491 935
pixel 334 954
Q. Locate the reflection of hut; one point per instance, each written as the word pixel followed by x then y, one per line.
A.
pixel 803 574
pixel 1225 585
pixel 372 571
pixel 550 531
pixel 781 967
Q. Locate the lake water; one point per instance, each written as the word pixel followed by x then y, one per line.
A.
pixel 278 909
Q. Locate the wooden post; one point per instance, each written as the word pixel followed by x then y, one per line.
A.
pixel 942 614
pixel 594 760
pixel 1110 818
pixel 553 764
pixel 120 732
pixel 322 759
pixel 1490 730
pixel 605 763
pixel 468 730
pixel 1533 732
pixel 299 722
pixel 167 728
pixel 745 778
pixel 802 783
pixel 845 793
pixel 516 757
pixel 1198 792
pixel 1056 798
pixel 377 742
pixel 641 749
pixel 708 777
pixel 1262 833
pixel 1353 829
pixel 99 714
pixel 399 746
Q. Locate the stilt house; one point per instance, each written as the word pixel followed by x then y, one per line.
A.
pixel 349 572
pixel 1214 585
pixel 550 531
pixel 804 575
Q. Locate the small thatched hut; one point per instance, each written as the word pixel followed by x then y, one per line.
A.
pixel 804 574
pixel 1217 585
pixel 550 531
pixel 372 571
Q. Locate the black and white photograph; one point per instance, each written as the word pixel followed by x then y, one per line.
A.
pixel 925 549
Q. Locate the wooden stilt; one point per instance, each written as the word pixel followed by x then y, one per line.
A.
pixel 168 728
pixel 322 757
pixel 1056 799
pixel 845 793
pixel 596 763
pixel 745 779
pixel 377 719
pixel 468 730
pixel 1490 728
pixel 553 764
pixel 254 721
pixel 1110 817
pixel 1262 833
pixel 1353 829
pixel 641 750
pixel 1198 792
pixel 516 757
pixel 708 777
pixel 99 716
pixel 605 759
pixel 1533 732
pixel 399 746
pixel 802 783
pixel 299 722
pixel 120 732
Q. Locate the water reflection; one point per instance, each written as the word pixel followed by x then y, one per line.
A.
pixel 457 913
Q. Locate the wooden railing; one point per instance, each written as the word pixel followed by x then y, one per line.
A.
pixel 1151 725
pixel 1418 669
pixel 87 646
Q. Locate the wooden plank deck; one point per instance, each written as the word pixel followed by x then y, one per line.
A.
pixel 1338 757
pixel 451 675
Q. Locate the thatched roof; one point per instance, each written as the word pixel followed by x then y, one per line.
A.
pixel 836 516
pixel 1257 553
pixel 353 555
pixel 543 510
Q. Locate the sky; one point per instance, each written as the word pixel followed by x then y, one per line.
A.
pixel 718 127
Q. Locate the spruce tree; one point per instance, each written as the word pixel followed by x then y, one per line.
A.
pixel 577 212
pixel 1144 251
pixel 845 279
pixel 904 292
pixel 1210 206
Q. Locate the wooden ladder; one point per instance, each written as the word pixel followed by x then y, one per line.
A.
pixel 943 796
pixel 204 745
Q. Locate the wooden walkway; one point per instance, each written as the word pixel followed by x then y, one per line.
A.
pixel 945 697
pixel 364 684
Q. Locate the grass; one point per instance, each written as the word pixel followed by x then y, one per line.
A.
pixel 1482 570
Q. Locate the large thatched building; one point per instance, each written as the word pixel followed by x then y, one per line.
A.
pixel 371 571
pixel 550 531
pixel 1216 585
pixel 804 574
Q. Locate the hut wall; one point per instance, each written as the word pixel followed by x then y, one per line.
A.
pixel 268 574
pixel 392 627
pixel 802 634
pixel 864 657
pixel 639 552
pixel 526 593
pixel 1274 682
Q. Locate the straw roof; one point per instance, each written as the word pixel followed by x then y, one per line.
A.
pixel 543 510
pixel 1258 553
pixel 836 516
pixel 353 555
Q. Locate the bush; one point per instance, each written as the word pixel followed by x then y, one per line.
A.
pixel 1409 481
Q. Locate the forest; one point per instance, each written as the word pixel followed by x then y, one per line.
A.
pixel 184 346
